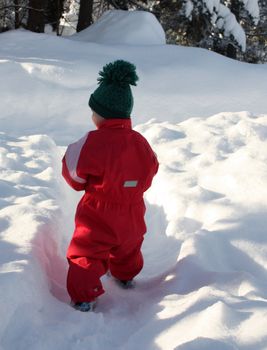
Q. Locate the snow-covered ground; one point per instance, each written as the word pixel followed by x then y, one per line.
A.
pixel 204 284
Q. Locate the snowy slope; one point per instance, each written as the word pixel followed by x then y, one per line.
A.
pixel 204 283
pixel 176 83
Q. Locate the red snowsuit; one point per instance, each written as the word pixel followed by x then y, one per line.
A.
pixel 114 165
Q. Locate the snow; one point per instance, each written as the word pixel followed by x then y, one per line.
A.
pixel 204 283
pixel 142 29
pixel 252 6
pixel 189 6
pixel 70 19
pixel 223 18
pixel 231 26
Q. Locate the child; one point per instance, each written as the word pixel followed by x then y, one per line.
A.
pixel 114 165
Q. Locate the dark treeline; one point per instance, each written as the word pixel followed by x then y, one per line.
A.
pixel 227 27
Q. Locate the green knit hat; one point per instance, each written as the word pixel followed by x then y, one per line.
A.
pixel 113 98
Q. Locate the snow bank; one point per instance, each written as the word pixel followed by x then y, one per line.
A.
pixel 204 281
pixel 176 83
pixel 30 214
pixel 212 186
pixel 124 28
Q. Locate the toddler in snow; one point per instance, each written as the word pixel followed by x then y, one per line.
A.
pixel 114 165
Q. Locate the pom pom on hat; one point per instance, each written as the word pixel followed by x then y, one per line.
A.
pixel 113 98
pixel 118 73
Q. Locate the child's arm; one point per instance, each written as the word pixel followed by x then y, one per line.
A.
pixel 71 167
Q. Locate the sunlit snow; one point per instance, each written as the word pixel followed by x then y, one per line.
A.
pixel 204 283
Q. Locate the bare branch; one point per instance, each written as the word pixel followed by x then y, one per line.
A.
pixel 20 7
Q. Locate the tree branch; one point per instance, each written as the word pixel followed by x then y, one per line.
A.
pixel 20 7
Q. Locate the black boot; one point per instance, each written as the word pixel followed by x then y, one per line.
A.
pixel 126 284
pixel 84 306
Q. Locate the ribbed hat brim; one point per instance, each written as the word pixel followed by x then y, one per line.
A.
pixel 104 111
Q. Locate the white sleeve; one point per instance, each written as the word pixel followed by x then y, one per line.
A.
pixel 72 157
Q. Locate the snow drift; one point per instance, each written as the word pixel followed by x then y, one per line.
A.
pixel 133 27
pixel 204 281
pixel 176 83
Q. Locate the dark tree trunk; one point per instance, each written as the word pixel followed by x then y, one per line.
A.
pixel 36 19
pixel 17 20
pixel 54 12
pixel 85 14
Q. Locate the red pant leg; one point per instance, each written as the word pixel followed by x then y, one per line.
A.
pixel 83 281
pixel 88 255
pixel 126 261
